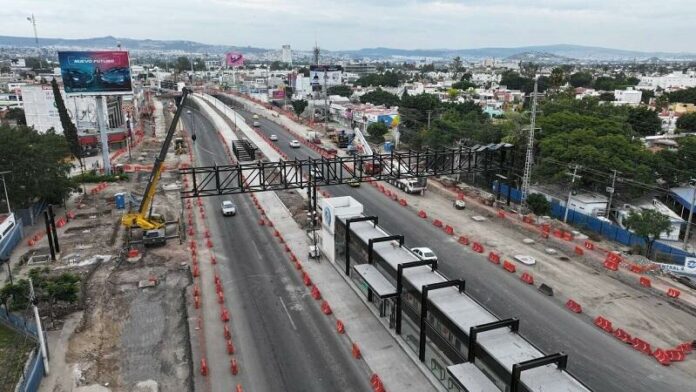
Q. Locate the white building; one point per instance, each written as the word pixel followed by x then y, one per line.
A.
pixel 627 97
pixel 676 221
pixel 286 54
pixel 41 112
pixel 667 82
pixel 588 204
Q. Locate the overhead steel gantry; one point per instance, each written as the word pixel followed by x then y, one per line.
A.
pixel 301 173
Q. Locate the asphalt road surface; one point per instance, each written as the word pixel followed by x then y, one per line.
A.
pixel 284 341
pixel 595 357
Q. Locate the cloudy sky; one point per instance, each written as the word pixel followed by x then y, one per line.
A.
pixel 664 25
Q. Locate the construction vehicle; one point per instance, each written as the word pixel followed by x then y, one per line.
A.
pixel 362 147
pixel 154 225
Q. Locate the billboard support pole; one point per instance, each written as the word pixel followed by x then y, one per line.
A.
pixel 104 138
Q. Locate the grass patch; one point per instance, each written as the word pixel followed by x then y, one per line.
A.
pixel 15 349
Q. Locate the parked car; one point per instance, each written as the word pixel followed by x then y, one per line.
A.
pixel 274 138
pixel 424 253
pixel 459 204
pixel 255 116
pixel 228 208
pixel 294 143
pixel 257 124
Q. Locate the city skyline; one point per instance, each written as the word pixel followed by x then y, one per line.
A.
pixel 417 24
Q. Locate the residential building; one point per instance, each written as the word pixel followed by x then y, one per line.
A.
pixel 675 80
pixel 675 220
pixel 360 68
pixel 588 203
pixel 286 54
pixel 629 97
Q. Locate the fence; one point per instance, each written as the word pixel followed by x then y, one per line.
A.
pixel 11 239
pixel 33 373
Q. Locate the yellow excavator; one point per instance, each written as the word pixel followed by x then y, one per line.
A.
pixel 153 225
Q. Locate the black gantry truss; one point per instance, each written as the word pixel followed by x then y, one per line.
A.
pixel 300 173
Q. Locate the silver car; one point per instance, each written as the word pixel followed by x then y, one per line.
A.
pixel 228 208
pixel 424 253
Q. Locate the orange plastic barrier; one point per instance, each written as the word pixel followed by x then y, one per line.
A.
pixel 501 214
pixel 478 248
pixel 673 293
pixel 316 294
pixel 579 251
pixel 642 346
pixel 234 367
pixel 340 328
pixel 661 356
pixel 356 351
pixel 509 267
pixel 645 282
pixel 224 314
pixel 623 336
pixel 422 214
pixel 603 323
pixel 449 230
pixel 437 223
pixel 230 347
pixel 204 367
pixel 675 355
pixel 573 306
pixel 527 278
pixel 611 265
pixel 463 240
pixel 493 257
pixel 325 308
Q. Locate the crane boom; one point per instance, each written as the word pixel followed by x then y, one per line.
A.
pixel 142 218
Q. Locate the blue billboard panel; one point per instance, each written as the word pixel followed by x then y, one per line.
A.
pixel 95 73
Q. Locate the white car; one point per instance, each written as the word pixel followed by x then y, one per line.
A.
pixel 257 124
pixel 424 253
pixel 294 143
pixel 228 208
pixel 274 138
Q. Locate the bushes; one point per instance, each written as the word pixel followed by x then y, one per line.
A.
pixel 94 177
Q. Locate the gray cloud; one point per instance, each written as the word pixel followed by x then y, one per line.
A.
pixel 637 24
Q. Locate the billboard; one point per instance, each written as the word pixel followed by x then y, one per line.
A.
pixel 331 75
pixel 234 59
pixel 95 73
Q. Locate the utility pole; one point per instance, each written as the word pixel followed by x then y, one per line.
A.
pixel 4 185
pixel 429 111
pixel 691 213
pixel 570 192
pixel 39 329
pixel 326 99
pixel 611 190
pixel 529 159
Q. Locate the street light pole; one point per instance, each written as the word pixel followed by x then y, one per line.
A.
pixel 4 185
pixel 570 193
pixel 691 213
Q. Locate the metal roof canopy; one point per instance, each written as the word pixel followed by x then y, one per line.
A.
pixel 505 346
pixel 471 378
pixel 683 195
pixel 377 282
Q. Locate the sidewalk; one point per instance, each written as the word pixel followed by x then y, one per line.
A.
pixel 384 354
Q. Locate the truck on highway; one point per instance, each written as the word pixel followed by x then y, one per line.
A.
pixel 412 185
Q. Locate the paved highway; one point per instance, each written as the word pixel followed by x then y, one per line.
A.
pixel 284 341
pixel 596 358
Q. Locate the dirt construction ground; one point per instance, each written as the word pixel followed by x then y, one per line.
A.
pixel 133 333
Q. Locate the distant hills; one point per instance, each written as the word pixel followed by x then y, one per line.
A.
pixel 548 52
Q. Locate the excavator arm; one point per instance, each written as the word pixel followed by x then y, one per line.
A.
pixel 143 217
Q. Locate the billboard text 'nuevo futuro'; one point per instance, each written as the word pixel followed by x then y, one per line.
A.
pixel 96 73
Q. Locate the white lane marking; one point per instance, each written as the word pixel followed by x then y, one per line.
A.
pixel 288 313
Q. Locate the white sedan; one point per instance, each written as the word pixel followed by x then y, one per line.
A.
pixel 273 138
pixel 228 208
pixel 424 253
pixel 294 143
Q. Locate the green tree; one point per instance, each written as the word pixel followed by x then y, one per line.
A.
pixel 644 121
pixel 463 85
pixel 649 224
pixel 341 89
pixel 16 114
pixel 466 77
pixel 298 106
pixel 687 122
pixel 452 94
pixel 456 67
pixel 69 128
pixel 380 97
pixel 607 97
pixel 376 132
pixel 387 79
pixel 557 78
pixel 538 204
pixel 646 96
pixel 38 165
pixel 687 95
pixel 581 79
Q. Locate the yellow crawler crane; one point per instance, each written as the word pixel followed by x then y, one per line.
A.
pixel 153 225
